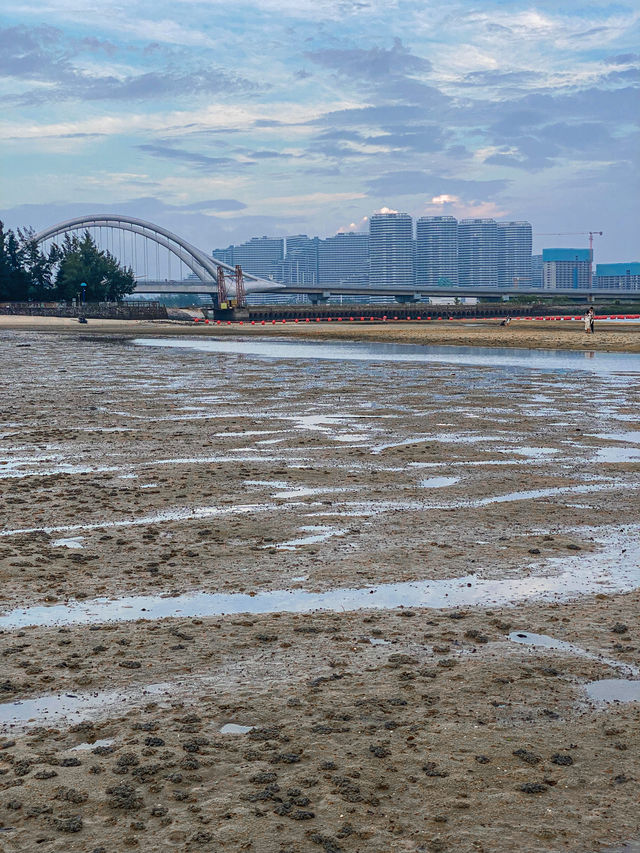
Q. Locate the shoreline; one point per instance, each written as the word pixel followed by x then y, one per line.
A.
pixel 546 335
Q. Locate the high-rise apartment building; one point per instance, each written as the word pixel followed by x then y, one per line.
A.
pixel 566 268
pixel 537 271
pixel 225 256
pixel 344 259
pixel 514 254
pixel 391 250
pixel 624 276
pixel 477 253
pixel 259 256
pixel 436 251
pixel 300 264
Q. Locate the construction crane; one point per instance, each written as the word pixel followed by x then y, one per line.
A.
pixel 223 300
pixel 241 296
pixel 591 234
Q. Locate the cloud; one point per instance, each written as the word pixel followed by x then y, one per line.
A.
pixel 424 183
pixel 372 64
pixel 219 205
pixel 44 55
pixel 191 158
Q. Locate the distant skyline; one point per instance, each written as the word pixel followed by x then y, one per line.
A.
pixel 223 121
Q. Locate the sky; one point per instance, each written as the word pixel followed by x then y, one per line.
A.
pixel 226 119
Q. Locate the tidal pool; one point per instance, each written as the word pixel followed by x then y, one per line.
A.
pixel 594 362
pixel 615 567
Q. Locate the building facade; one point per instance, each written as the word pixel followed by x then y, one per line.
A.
pixel 225 256
pixel 344 259
pixel 391 250
pixel 625 276
pixel 260 256
pixel 300 264
pixel 537 271
pixel 570 268
pixel 477 253
pixel 436 254
pixel 514 253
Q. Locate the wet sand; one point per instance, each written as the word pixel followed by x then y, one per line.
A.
pixel 129 471
pixel 548 334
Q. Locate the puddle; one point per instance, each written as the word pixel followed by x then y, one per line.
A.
pixel 81 747
pixel 533 452
pixel 75 542
pixel 534 494
pixel 545 642
pixel 375 641
pixel 598 362
pixel 614 568
pixel 439 482
pixel 614 690
pixel 614 455
pixel 74 707
pixel 316 534
pixel 181 514
pixel 632 436
pixel 235 729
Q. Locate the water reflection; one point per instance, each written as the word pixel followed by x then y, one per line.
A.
pixel 599 362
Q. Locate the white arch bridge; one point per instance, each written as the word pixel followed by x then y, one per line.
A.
pixel 150 248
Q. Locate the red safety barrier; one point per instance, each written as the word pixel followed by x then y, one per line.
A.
pixel 195 319
pixel 307 320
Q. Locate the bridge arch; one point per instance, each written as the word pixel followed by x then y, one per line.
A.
pixel 202 265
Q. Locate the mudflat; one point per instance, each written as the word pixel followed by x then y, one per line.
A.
pixel 547 334
pixel 284 604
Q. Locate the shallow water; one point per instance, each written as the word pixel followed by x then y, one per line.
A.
pixel 73 707
pixel 235 729
pixel 542 641
pixel 594 362
pixel 614 690
pixel 614 568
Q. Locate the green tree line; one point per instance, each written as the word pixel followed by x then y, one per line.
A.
pixel 29 274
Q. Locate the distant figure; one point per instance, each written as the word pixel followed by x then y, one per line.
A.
pixel 587 323
pixel 592 320
pixel 506 321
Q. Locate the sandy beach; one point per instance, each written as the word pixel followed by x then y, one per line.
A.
pixel 285 605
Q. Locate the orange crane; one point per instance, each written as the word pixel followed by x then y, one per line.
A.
pixel 591 234
pixel 223 299
pixel 241 296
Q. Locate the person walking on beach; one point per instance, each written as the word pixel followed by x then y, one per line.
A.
pixel 587 323
pixel 592 320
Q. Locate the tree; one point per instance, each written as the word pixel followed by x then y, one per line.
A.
pixel 38 267
pixel 80 260
pixel 14 280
